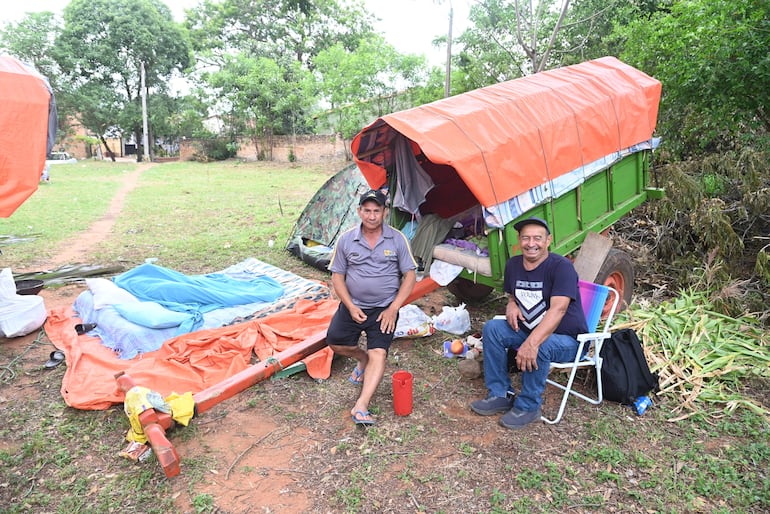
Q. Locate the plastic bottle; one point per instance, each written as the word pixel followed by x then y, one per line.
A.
pixel 642 404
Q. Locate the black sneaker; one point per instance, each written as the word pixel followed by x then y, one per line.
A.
pixel 492 405
pixel 516 418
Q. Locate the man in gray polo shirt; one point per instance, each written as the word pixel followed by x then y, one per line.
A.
pixel 373 273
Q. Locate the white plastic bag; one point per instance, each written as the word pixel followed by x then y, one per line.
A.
pixel 413 322
pixel 19 314
pixel 454 320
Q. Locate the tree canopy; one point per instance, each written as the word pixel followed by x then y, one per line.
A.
pixel 276 28
pixel 713 61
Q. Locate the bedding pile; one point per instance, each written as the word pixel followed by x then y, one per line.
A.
pixel 140 309
pixel 171 358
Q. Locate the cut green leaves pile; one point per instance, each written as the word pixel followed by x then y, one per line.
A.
pixel 703 357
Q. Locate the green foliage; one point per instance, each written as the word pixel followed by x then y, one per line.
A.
pixel 713 62
pixel 203 503
pixel 31 40
pixel 364 83
pixel 588 32
pixel 762 266
pixel 276 29
pixel 717 206
pixel 491 52
pixel 264 96
pixel 101 50
pixel 215 149
pixel 510 39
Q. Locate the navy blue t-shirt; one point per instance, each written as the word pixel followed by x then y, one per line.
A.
pixel 555 276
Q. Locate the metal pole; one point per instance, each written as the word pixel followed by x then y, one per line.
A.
pixel 145 137
pixel 448 75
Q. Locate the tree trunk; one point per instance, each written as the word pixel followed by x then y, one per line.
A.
pixel 139 145
pixel 107 148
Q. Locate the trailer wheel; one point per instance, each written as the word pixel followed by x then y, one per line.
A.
pixel 468 291
pixel 617 271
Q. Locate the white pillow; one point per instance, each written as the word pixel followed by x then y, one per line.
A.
pixel 106 293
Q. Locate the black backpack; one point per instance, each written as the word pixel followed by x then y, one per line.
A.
pixel 625 372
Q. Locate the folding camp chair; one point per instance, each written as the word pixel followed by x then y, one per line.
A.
pixel 593 297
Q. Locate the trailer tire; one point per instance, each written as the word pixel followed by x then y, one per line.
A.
pixel 468 291
pixel 617 271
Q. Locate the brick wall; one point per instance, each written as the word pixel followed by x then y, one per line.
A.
pixel 306 148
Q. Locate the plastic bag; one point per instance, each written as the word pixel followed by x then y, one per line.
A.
pixel 413 322
pixel 19 314
pixel 454 320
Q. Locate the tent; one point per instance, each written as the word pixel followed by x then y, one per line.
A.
pixel 27 131
pixel 492 144
pixel 331 211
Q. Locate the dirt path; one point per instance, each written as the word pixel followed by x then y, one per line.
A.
pixel 77 249
pixel 234 439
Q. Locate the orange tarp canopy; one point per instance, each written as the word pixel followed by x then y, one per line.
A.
pixel 24 101
pixel 505 139
pixel 190 362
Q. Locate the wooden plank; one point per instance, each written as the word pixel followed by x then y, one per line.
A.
pixel 591 256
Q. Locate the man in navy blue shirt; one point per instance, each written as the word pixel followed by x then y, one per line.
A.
pixel 542 320
pixel 373 273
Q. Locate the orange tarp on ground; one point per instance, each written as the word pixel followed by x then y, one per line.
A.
pixel 24 102
pixel 187 363
pixel 505 139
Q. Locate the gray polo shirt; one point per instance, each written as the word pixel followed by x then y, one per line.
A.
pixel 372 275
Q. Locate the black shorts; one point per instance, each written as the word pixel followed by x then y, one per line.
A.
pixel 344 331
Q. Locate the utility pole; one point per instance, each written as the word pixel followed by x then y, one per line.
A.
pixel 145 137
pixel 448 74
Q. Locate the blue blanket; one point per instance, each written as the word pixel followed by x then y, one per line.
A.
pixel 195 294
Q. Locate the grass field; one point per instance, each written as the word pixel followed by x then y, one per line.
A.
pixel 203 217
pixel 192 217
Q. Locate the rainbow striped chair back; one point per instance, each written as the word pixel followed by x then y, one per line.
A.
pixel 594 298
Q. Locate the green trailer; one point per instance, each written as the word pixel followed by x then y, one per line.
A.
pixel 590 208
pixel 572 146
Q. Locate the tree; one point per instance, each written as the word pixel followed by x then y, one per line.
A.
pixel 32 40
pixel 713 61
pixel 103 47
pixel 186 121
pixel 261 97
pixel 511 39
pixel 589 31
pixel 275 28
pixel 366 82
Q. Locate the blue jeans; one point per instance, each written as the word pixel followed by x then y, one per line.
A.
pixel 498 336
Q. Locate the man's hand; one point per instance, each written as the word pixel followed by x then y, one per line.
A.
pixel 526 356
pixel 513 315
pixel 387 319
pixel 357 314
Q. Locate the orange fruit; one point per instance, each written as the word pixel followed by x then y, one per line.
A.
pixel 456 347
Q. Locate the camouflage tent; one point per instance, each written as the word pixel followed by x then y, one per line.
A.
pixel 330 212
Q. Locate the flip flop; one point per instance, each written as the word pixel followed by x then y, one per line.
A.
pixel 82 328
pixel 56 358
pixel 357 377
pixel 357 418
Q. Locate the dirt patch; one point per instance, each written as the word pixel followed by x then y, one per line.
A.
pixel 248 462
pixel 77 249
